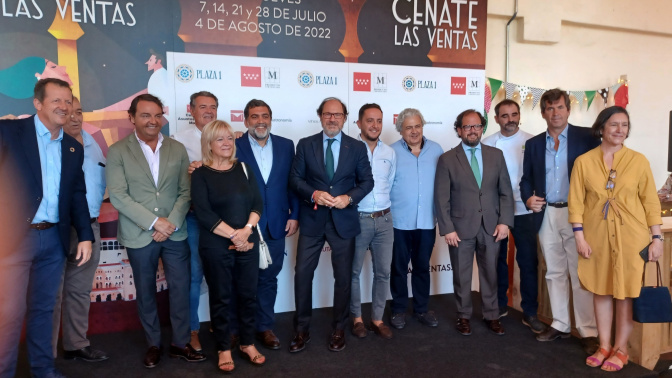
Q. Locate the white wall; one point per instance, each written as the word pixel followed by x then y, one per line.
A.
pixel 587 45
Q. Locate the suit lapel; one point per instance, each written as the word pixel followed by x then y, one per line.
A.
pixel 343 154
pixel 318 151
pixel 486 156
pixel 136 151
pixel 164 154
pixel 465 163
pixel 276 157
pixel 31 150
pixel 248 155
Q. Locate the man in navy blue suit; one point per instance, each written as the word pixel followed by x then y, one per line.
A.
pixel 331 173
pixel 544 187
pixel 270 156
pixel 47 196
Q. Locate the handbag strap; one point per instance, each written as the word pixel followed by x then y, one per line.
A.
pixel 261 238
pixel 659 279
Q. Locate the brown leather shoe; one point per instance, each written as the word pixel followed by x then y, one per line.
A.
pixel 495 326
pixel 359 330
pixel 152 357
pixel 195 342
pixel 268 339
pixel 551 334
pixel 590 345
pixel 463 326
pixel 299 342
pixel 337 340
pixel 187 353
pixel 381 330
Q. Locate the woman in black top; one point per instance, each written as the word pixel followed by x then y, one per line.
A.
pixel 227 204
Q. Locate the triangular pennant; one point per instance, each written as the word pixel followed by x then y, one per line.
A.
pixel 536 95
pixel 579 95
pixel 523 90
pixel 590 95
pixel 510 89
pixel 621 97
pixel 614 88
pixel 604 93
pixel 487 99
pixel 494 87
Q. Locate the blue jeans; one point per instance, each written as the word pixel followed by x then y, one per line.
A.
pixel 377 235
pixel 196 271
pixel 525 239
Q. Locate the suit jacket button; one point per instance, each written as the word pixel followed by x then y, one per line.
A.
pixel 156 209
pixel 480 210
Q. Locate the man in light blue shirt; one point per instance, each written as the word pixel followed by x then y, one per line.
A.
pixel 412 197
pixel 375 220
pixel 75 289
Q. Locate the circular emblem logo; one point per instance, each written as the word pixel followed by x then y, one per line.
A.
pixel 306 79
pixel 184 73
pixel 408 83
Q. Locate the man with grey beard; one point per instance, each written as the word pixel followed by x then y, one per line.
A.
pixel 270 157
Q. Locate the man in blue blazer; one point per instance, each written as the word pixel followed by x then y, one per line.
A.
pixel 544 187
pixel 42 194
pixel 270 156
pixel 331 173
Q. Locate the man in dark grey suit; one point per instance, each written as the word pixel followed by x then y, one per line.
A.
pixel 474 208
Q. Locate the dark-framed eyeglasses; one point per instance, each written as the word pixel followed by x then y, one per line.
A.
pixel 469 127
pixel 610 180
pixel 327 115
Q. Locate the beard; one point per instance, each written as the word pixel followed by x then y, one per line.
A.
pixel 260 135
pixel 473 142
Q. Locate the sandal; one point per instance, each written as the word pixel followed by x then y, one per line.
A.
pixel 225 364
pixel 597 359
pixel 253 360
pixel 615 367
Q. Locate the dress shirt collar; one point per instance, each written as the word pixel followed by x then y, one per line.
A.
pixel 255 143
pixel 87 138
pixel 406 146
pixel 142 142
pixel 378 142
pixel 337 137
pixel 42 130
pixel 467 149
pixel 563 133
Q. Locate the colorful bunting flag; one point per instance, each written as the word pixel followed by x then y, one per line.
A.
pixel 621 97
pixel 494 87
pixel 510 89
pixel 487 99
pixel 579 95
pixel 604 93
pixel 523 90
pixel 536 95
pixel 590 95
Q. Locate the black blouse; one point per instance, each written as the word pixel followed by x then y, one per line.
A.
pixel 227 196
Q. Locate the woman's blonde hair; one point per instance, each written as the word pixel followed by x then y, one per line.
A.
pixel 212 131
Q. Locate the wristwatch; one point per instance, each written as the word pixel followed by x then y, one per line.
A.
pixel 658 237
pixel 349 200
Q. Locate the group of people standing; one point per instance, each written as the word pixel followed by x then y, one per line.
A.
pixel 204 199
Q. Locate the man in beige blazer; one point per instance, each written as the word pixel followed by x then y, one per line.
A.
pixel 474 209
pixel 149 186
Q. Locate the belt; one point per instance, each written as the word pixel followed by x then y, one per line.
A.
pixel 93 220
pixel 375 214
pixel 42 225
pixel 559 205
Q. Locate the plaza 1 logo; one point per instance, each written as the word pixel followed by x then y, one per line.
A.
pixel 361 81
pixel 237 116
pixel 271 77
pixel 474 86
pixel 458 85
pixel 380 82
pixel 250 76
pixel 306 79
pixel 184 73
pixel 408 83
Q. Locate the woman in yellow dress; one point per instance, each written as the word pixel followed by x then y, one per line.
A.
pixel 612 206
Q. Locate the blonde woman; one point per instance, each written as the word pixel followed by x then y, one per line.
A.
pixel 228 205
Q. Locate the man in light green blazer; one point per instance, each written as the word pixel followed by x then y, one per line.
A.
pixel 150 187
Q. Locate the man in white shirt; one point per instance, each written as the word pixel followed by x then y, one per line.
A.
pixel 511 140
pixel 203 107
pixel 375 220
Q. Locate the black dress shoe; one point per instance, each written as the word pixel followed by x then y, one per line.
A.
pixel 299 342
pixel 85 354
pixel 495 326
pixel 398 320
pixel 551 334
pixel 268 339
pixel 534 323
pixel 337 340
pixel 152 357
pixel 188 353
pixel 427 318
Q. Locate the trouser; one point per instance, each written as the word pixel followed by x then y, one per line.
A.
pixel 414 246
pixel 525 239
pixel 559 249
pixel 223 268
pixel 267 288
pixel 462 260
pixel 74 295
pixel 377 236
pixel 145 262
pixel 29 278
pixel 308 254
pixel 196 271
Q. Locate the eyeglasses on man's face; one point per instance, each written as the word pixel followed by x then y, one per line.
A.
pixel 327 115
pixel 469 127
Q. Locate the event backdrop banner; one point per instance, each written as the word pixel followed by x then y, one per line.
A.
pixel 426 54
